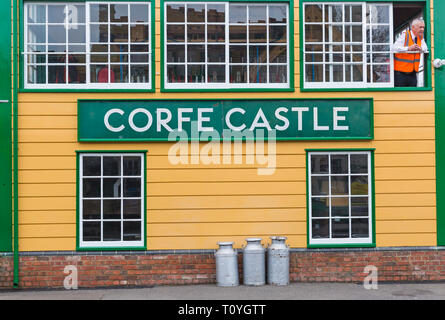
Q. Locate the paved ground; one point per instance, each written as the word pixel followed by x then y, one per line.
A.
pixel 294 291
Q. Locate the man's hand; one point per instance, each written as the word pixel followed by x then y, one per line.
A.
pixel 414 47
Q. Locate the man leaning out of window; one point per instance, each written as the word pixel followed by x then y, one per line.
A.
pixel 408 49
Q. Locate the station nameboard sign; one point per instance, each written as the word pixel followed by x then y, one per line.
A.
pixel 205 120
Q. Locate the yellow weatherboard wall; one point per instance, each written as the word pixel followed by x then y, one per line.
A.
pixel 195 206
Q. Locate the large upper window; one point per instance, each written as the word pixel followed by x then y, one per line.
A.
pixel 92 45
pixel 222 45
pixel 340 198
pixel 348 45
pixel 111 203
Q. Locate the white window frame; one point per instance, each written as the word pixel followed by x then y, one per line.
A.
pixel 88 85
pixel 364 63
pixel 341 241
pixel 111 244
pixel 227 84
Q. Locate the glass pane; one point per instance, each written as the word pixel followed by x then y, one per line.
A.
pixel 277 54
pixel 112 231
pixel 99 58
pixel 357 73
pixel 196 73
pixel 139 13
pixel 258 34
pixel 359 185
pixel 91 231
pixel 216 73
pixel 257 74
pixel 139 74
pixel 314 57
pixel 258 54
pixel 36 13
pixel 277 74
pixel 381 73
pixel 380 34
pixel 313 13
pixel 118 13
pixel 36 74
pixel 77 74
pixel 139 58
pixel 379 13
pixel 359 206
pixel 132 231
pixel 277 14
pixel 132 166
pixel 277 34
pixel 112 166
pixel 357 14
pixel 132 187
pixel 237 14
pixel 340 207
pixel 196 53
pixel 359 163
pixel 91 188
pixel 314 73
pixel 56 13
pixel 119 33
pixel 77 35
pixel 216 53
pixel 238 54
pixel 119 73
pixel 57 74
pixel 175 53
pixel 357 34
pixel 216 13
pixel 339 164
pixel 320 185
pixel 132 209
pixel 238 74
pixel 98 12
pixel 360 228
pixel 257 14
pixel 238 34
pixel 176 74
pixel 320 228
pixel 196 33
pixel 111 187
pixel 337 13
pixel 313 33
pixel 175 13
pixel 99 73
pixel 339 185
pixel 195 13
pixel 340 228
pixel 175 33
pixel 91 209
pixel 99 48
pixel 111 209
pixel 56 34
pixel 139 33
pixel 216 33
pixel 91 166
pixel 320 207
pixel 319 164
pixel 99 33
pixel 337 34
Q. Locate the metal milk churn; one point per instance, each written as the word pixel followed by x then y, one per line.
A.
pixel 254 263
pixel 226 265
pixel 278 262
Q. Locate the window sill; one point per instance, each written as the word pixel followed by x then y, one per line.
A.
pixel 231 90
pixel 84 90
pixel 354 245
pixel 403 89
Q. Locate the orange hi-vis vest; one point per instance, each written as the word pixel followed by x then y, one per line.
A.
pixel 408 62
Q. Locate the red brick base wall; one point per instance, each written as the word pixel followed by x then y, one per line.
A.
pixel 46 270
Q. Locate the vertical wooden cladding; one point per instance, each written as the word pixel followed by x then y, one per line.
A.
pixel 192 206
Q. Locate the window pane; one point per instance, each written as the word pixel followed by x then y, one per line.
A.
pixel 277 34
pixel 313 33
pixel 118 12
pixel 381 73
pixel 77 74
pixel 36 74
pixel 196 33
pixel 320 185
pixel 238 54
pixel 339 164
pixel 216 13
pixel 359 228
pixel 257 74
pixel 175 53
pixel 314 73
pixel 91 166
pixel 238 74
pixel 91 188
pixel 259 34
pixel 139 74
pixel 340 228
pixel 112 209
pixel 359 185
pixel 139 33
pixel 99 33
pixel 119 33
pixel 277 14
pixel 320 228
pixel 132 231
pixel 112 231
pixel 359 206
pixel 119 73
pixel 319 164
pixel 340 207
pixel 132 187
pixel 175 33
pixel 278 74
pixel 238 34
pixel 216 33
pixel 195 13
pixel 132 166
pixel 175 13
pixel 77 35
pixel 336 13
pixel 196 73
pixel 196 53
pixel 257 14
pixel 359 163
pixel 139 13
pixel 56 34
pixel 36 13
pixel 132 209
pixel 111 187
pixel 112 166
pixel 357 14
pixel 258 54
pixel 216 53
pixel 91 231
pixel 56 13
pixel 339 185
pixel 320 207
pixel 91 209
pixel 380 34
pixel 313 13
pixel 176 74
pixel 216 73
pixel 238 14
pixel 277 54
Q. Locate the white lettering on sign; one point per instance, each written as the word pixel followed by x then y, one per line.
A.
pixel 182 119
pixel 202 119
pixel 316 126
pixel 229 124
pixel 300 116
pixel 134 113
pixel 107 117
pixel 280 117
pixel 163 122
pixel 340 118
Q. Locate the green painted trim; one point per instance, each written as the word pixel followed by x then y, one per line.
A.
pixel 67 90
pixel 372 172
pixel 428 66
pixel 291 45
pixel 78 248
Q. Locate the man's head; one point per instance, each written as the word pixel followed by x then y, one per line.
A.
pixel 418 27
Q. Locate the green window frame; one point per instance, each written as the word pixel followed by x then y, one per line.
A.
pixel 344 87
pixel 324 185
pixel 127 64
pixel 225 81
pixel 111 195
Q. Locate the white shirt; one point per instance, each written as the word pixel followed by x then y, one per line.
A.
pixel 399 45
